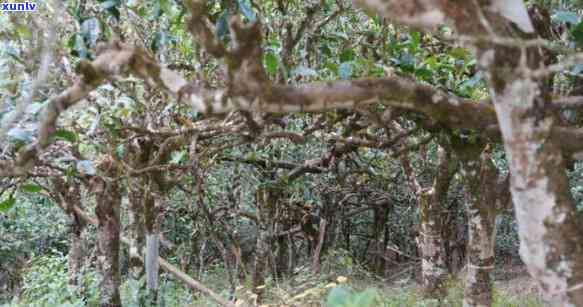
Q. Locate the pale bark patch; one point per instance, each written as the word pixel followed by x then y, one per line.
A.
pixel 536 207
pixel 515 11
pixel 173 81
pixel 152 264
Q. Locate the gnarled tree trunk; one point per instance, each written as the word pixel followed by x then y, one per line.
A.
pixel 431 245
pixel 136 232
pixel 108 198
pixel 152 223
pixel 481 195
pixel 551 235
pixel 69 196
pixel 266 199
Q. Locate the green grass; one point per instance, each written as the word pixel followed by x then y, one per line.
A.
pixel 45 284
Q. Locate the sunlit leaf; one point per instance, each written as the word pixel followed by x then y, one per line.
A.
pixel 347 55
pixel 66 135
pixel 31 188
pixel 23 31
pixel 7 204
pixel 415 41
pixel 271 63
pixel 460 53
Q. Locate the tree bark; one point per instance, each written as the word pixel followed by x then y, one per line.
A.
pixel 76 252
pixel 152 224
pixel 433 267
pixel 481 194
pixel 266 199
pixel 136 232
pixel 331 213
pixel 68 194
pixel 183 277
pixel 108 239
pixel 380 213
pixel 316 265
pixel 551 235
pixel 431 244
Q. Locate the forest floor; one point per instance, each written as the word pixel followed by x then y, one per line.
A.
pixel 342 283
pixel 514 281
pixel 513 288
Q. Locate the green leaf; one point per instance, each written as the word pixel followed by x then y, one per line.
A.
pixel 423 73
pixel 333 67
pixel 66 135
pixel 77 45
pixel 345 70
pixel 7 204
pixel 223 24
pixel 566 16
pixel 407 62
pixel 577 69
pixel 577 34
pixel 415 41
pixel 473 81
pixel 160 7
pixel 325 50
pixel 18 134
pixel 460 53
pixel 90 31
pixel 112 7
pixel 31 188
pixel 159 41
pixel 338 296
pixel 246 10
pixel 120 151
pixel 347 55
pixel 178 157
pixel 23 31
pixel 271 63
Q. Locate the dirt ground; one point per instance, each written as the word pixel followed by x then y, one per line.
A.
pixel 515 281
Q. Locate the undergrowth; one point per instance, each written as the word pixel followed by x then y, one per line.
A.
pixel 342 284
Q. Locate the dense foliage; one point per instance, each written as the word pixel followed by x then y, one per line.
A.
pixel 334 208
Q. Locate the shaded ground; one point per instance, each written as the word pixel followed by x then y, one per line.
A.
pixel 513 288
pixel 342 284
